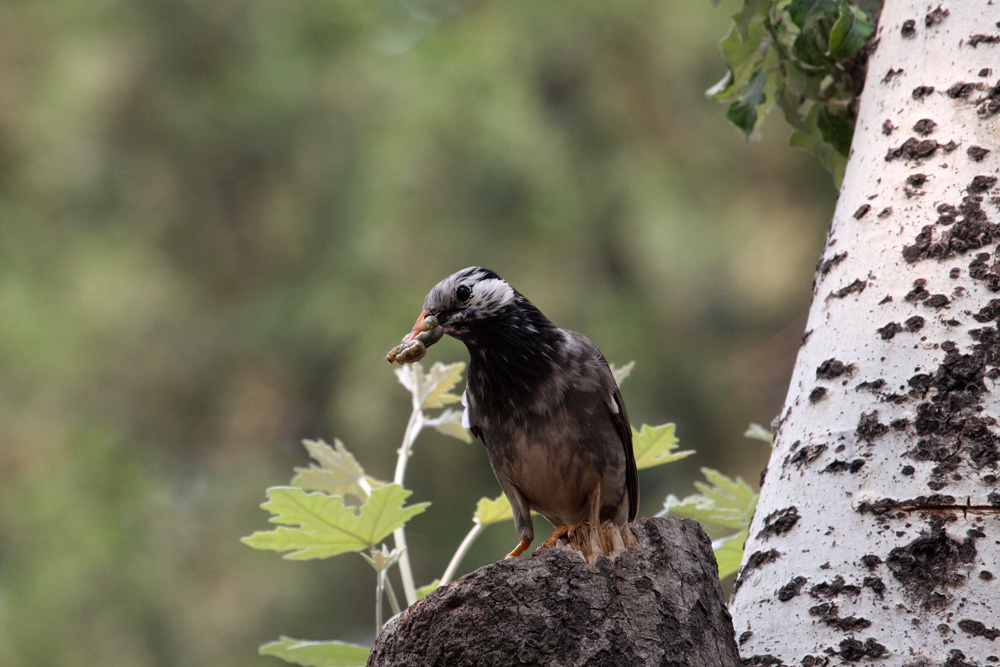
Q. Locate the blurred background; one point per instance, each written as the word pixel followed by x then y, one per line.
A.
pixel 217 217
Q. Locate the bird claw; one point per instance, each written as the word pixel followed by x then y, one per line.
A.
pixel 415 344
pixel 557 534
pixel 519 549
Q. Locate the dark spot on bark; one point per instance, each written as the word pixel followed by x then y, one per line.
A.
pixel 874 385
pixel 981 184
pixel 757 560
pixel 977 153
pixel 871 561
pixel 791 589
pixel 825 610
pixel 909 28
pixel 929 563
pixel 825 265
pixel 989 105
pixel 889 330
pixel 961 90
pixel 886 299
pixel 916 180
pixel 907 470
pixel 949 147
pixel 920 92
pixel 879 507
pixel 912 149
pixel 978 629
pixel 805 336
pixel 856 287
pixel 869 427
pixel 976 40
pixel 807 455
pixel 765 660
pixel 779 522
pixel 957 659
pixel 947 214
pixel 924 126
pixel 915 323
pixel 853 650
pixel 744 636
pixel 887 126
pixel 885 213
pixel 936 16
pixel 972 232
pixel 937 301
pixel 817 394
pixel 831 589
pixel 844 466
pixel 862 211
pixel 848 623
pixel 993 499
pixel 876 584
pixel 986 575
pixel 831 369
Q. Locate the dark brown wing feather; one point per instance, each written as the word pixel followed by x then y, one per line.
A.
pixel 631 473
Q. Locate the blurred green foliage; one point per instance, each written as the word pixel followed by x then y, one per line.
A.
pixel 216 218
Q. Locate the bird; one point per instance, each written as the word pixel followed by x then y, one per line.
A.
pixel 541 399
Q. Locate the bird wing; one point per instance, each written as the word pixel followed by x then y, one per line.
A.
pixel 624 428
pixel 619 415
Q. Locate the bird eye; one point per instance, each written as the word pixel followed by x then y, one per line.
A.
pixel 463 293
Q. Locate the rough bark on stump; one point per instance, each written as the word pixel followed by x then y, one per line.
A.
pixel 659 603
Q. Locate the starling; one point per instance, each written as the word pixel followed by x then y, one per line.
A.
pixel 541 399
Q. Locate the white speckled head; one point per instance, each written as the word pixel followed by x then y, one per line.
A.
pixel 472 294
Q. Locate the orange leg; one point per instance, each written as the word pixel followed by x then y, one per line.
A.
pixel 561 531
pixel 519 549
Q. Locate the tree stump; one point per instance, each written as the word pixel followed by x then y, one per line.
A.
pixel 657 603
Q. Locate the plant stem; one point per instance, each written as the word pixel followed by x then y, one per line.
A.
pixel 412 430
pixel 463 548
pixel 379 594
pixel 393 600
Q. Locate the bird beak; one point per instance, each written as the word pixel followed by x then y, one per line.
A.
pixel 416 327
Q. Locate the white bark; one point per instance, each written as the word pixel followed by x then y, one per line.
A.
pixel 876 538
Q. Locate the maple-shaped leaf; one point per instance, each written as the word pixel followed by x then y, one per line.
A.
pixel 729 553
pixel 620 373
pixel 429 588
pixel 449 422
pixel 489 511
pixel 433 388
pixel 317 654
pixel 655 445
pixel 336 471
pixel 318 525
pixel 723 501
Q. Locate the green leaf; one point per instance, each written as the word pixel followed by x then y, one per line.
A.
pixel 742 55
pixel 835 130
pixel 813 141
pixel 323 526
pixel 807 12
pixel 432 389
pixel 317 654
pixel 655 445
pixel 850 33
pixel 620 373
pixel 431 587
pixel 337 472
pixel 449 422
pixel 723 502
pixel 493 511
pixel 758 432
pixel 729 553
pixel 754 11
pixel 744 112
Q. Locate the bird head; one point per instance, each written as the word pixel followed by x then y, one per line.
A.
pixel 470 299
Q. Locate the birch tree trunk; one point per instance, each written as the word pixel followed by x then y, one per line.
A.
pixel 876 537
